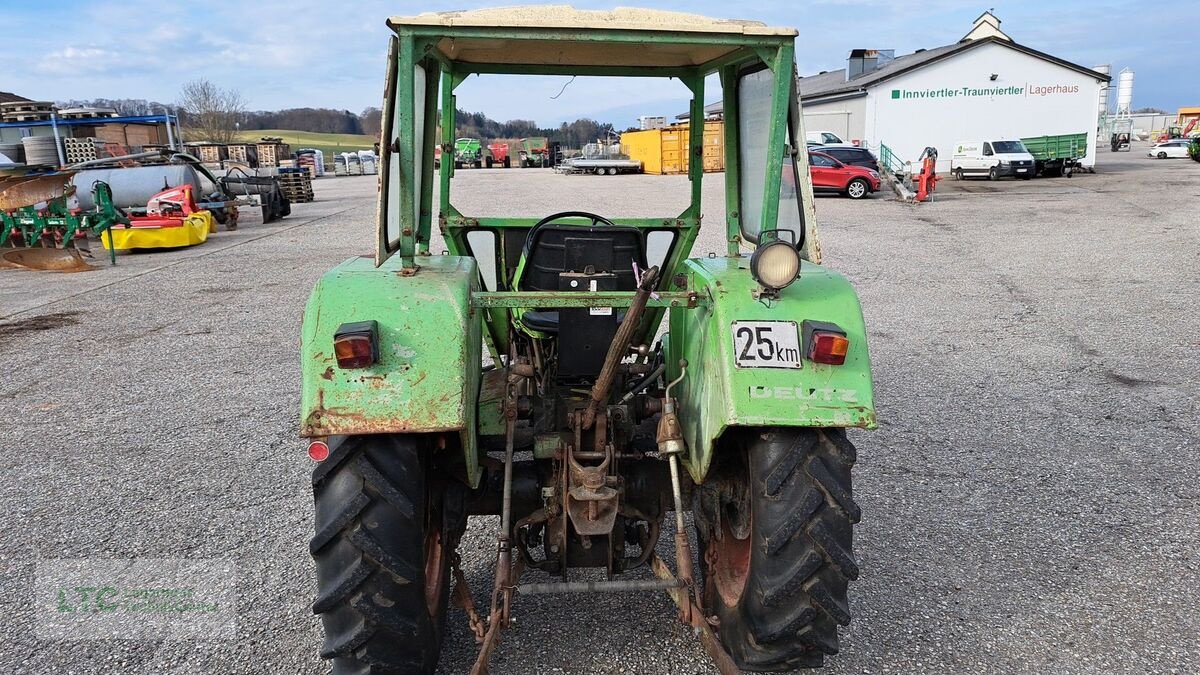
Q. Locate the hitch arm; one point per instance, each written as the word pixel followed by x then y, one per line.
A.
pixel 619 347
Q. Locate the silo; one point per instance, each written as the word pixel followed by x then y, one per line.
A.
pixel 1125 92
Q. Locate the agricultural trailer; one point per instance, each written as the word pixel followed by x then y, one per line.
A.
pixel 589 437
pixel 1057 155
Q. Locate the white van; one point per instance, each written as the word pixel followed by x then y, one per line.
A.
pixel 825 138
pixel 994 159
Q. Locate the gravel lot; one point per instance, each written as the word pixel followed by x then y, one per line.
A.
pixel 1030 501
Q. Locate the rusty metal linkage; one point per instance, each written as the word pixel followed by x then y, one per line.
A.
pixel 618 586
pixel 704 631
pixel 619 346
pixel 464 601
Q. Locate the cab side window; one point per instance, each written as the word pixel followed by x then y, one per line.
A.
pixel 987 150
pixel 820 160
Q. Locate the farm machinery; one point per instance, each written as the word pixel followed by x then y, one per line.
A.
pixel 40 227
pixel 471 153
pixel 535 152
pixel 591 431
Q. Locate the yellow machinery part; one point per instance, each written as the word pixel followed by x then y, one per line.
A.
pixel 195 230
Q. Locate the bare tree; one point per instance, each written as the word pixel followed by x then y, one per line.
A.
pixel 372 120
pixel 212 113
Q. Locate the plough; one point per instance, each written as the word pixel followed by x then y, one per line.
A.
pixel 39 224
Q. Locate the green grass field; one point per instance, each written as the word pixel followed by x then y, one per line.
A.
pixel 326 143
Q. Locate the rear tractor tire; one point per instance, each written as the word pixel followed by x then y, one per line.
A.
pixel 774 525
pixel 385 532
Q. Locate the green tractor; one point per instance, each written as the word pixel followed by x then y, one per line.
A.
pixel 591 431
pixel 1194 148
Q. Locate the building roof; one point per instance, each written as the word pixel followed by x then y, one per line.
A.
pixel 6 97
pixel 834 83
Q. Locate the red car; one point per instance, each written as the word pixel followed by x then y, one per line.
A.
pixel 830 175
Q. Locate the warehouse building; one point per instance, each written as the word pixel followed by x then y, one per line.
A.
pixel 986 86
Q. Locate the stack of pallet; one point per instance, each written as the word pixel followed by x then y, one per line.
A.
pixel 79 150
pixel 86 113
pixel 271 151
pixel 26 111
pixel 296 184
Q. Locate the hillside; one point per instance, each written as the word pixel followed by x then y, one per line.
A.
pixel 326 143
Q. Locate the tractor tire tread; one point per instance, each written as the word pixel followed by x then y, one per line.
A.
pixel 801 560
pixel 369 552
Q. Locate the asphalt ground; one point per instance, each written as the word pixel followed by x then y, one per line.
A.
pixel 1030 499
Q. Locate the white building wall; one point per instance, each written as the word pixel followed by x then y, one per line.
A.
pixel 956 100
pixel 845 118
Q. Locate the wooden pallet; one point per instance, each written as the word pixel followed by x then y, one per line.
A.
pixel 296 185
pixel 27 117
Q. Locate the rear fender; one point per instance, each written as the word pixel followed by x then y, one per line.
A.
pixel 427 377
pixel 717 394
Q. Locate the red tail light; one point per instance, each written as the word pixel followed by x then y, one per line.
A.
pixel 829 348
pixel 356 345
pixel 318 451
pixel 825 342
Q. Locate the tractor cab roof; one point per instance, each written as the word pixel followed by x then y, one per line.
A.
pixel 560 35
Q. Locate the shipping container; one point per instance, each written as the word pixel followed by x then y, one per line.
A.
pixel 665 151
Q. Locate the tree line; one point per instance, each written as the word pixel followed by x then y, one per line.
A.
pixel 208 112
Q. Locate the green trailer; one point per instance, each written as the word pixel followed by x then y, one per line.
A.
pixel 1057 155
pixel 471 152
pixel 535 151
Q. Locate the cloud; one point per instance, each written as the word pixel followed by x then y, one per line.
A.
pixel 80 61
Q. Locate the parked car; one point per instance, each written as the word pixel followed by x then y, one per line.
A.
pixel 850 155
pixel 826 138
pixel 830 175
pixel 993 159
pixel 1176 147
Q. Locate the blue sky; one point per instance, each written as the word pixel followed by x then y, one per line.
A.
pixel 295 53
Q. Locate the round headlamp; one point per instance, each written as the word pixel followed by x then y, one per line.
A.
pixel 775 265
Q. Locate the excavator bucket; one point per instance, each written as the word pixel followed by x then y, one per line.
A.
pixel 46 259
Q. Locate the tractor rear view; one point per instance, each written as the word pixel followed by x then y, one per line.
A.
pixel 589 434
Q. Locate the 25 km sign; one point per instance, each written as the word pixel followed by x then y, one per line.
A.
pixel 766 344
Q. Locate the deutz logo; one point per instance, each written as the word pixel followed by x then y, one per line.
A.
pixel 804 394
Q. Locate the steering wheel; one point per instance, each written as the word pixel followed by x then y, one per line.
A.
pixel 596 220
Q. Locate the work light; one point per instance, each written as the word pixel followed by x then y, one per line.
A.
pixel 774 264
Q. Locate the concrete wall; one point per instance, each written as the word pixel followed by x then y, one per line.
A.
pixel 956 100
pixel 845 118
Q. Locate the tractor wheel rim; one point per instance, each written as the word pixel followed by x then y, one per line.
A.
pixel 856 190
pixel 732 567
pixel 434 579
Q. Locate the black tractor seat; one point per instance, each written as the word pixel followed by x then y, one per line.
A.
pixel 553 247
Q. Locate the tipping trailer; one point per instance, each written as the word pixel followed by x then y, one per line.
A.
pixel 535 151
pixel 471 152
pixel 498 155
pixel 1057 155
